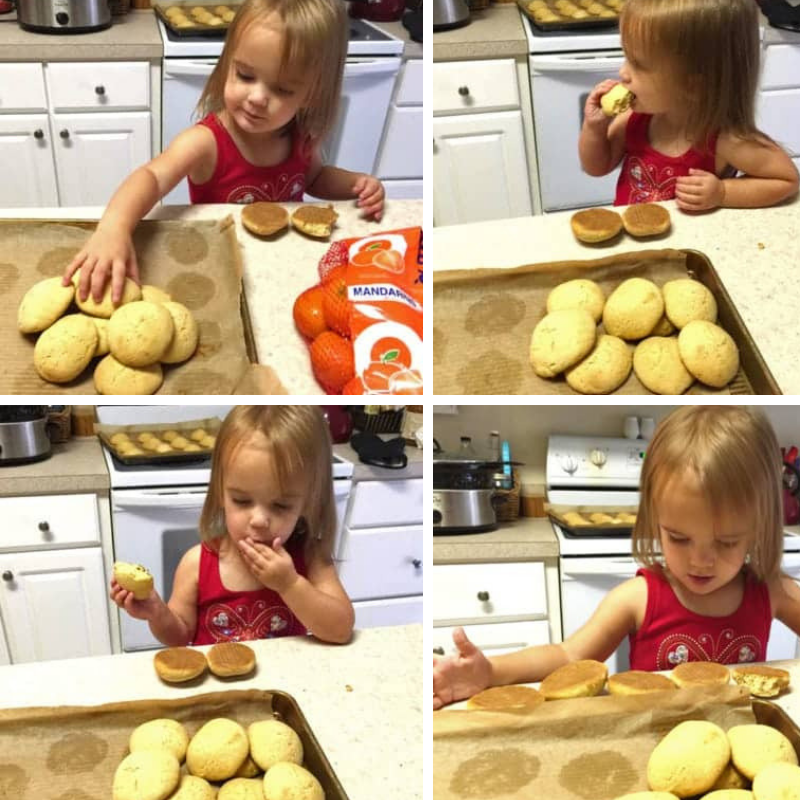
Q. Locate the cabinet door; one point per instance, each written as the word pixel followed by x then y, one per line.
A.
pixel 494 640
pixel 480 170
pixel 389 611
pixel 94 153
pixel 5 657
pixel 379 503
pixel 54 604
pixel 776 116
pixel 29 177
pixel 401 151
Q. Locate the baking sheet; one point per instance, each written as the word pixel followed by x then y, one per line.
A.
pixel 565 23
pixel 556 513
pixel 484 318
pixel 197 28
pixel 72 752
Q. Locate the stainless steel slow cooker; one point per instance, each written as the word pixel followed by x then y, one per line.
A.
pixel 23 434
pixel 463 495
pixel 63 16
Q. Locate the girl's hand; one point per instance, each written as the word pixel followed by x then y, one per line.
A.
pixel 273 566
pixel 593 113
pixel 138 609
pixel 370 193
pixel 106 251
pixel 462 675
pixel 699 191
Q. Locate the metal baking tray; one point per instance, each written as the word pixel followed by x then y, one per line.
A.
pixel 622 530
pixel 210 425
pixel 564 23
pixel 768 713
pixel 196 28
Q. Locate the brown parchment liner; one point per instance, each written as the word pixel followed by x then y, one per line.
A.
pixel 484 318
pixel 584 749
pixel 72 752
pixel 197 262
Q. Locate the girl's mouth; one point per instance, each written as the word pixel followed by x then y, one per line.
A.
pixel 701 580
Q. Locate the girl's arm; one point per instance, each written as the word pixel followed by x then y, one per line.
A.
pixel 602 142
pixel 333 183
pixel 173 623
pixel 110 248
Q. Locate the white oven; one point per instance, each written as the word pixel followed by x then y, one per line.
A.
pixel 372 65
pixel 155 510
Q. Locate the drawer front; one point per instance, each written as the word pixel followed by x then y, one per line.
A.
pixel 401 153
pixel 378 503
pixel 49 521
pixel 99 87
pixel 382 562
pixel 488 591
pixel 494 639
pixel 409 91
pixel 22 88
pixel 781 67
pixel 383 613
pixel 470 86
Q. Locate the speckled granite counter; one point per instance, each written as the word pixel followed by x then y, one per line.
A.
pixel 372 735
pixel 755 253
pixel 526 539
pixel 75 466
pixel 366 472
pixel 131 36
pixel 495 32
pixel 275 272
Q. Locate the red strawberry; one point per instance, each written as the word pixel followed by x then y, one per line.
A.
pixel 335 257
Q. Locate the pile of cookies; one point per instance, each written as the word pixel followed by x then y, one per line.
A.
pixel 214 17
pixel 673 327
pixel 161 442
pixel 575 519
pixel 147 329
pixel 546 11
pixel 222 760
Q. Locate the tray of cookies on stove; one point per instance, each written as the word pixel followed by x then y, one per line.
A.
pixel 197 18
pixel 572 14
pixel 160 443
pixel 582 521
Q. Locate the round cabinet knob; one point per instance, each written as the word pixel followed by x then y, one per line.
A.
pixel 483 597
pixel 416 562
pixel 101 90
pixel 8 575
pixel 463 91
pixel 44 527
pixel 597 457
pixel 64 134
pixel 569 464
pixel 38 134
pixel 439 651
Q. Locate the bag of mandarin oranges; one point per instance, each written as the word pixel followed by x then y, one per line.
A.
pixel 363 321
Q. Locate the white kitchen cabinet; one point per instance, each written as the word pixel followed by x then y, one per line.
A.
pixel 779 96
pixel 399 164
pixel 494 640
pixel 480 162
pixel 52 580
pixel 93 125
pixel 380 553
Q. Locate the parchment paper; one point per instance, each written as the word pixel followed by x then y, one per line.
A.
pixel 484 318
pixel 198 263
pixel 586 749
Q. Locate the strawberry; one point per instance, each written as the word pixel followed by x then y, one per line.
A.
pixel 335 257
pixel 332 361
pixel 335 305
pixel 308 314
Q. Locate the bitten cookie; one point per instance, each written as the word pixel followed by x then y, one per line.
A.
pixel 217 750
pixel 561 340
pixel 657 364
pixel 140 333
pixel 184 340
pixel 160 734
pixel 578 293
pixel 315 221
pixel 134 578
pixel 112 377
pixel 605 369
pixel 272 741
pixel 755 746
pixel 616 100
pixel 689 759
pixel 146 775
pixel 291 782
pixel 709 353
pixel 761 681
pixel 65 349
pixel 686 300
pixel 633 309
pixel 105 308
pixel 43 304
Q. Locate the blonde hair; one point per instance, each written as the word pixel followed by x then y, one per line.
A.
pixel 315 44
pixel 735 455
pixel 299 445
pixel 711 49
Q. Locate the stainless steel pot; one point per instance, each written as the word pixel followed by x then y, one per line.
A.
pixel 63 16
pixel 464 511
pixel 23 434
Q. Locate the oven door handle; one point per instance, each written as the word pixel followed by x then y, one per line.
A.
pixel 183 68
pixel 354 69
pixel 143 499
pixel 604 566
pixel 588 64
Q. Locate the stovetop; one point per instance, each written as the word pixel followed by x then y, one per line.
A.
pixel 578 40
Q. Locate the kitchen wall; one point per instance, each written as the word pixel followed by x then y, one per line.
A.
pixel 527 427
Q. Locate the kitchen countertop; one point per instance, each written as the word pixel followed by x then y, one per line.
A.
pixel 753 250
pixel 372 734
pixel 75 466
pixel 275 272
pixel 133 35
pixel 524 540
pixel 495 32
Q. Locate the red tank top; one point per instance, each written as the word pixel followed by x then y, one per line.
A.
pixel 671 634
pixel 226 616
pixel 648 176
pixel 236 180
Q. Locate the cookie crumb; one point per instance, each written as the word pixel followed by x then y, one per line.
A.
pixel 761 245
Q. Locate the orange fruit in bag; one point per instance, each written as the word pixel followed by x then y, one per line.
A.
pixel 332 361
pixel 308 314
pixel 335 305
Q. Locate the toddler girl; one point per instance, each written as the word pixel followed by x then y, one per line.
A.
pixel 709 536
pixel 264 567
pixel 692 66
pixel 271 99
